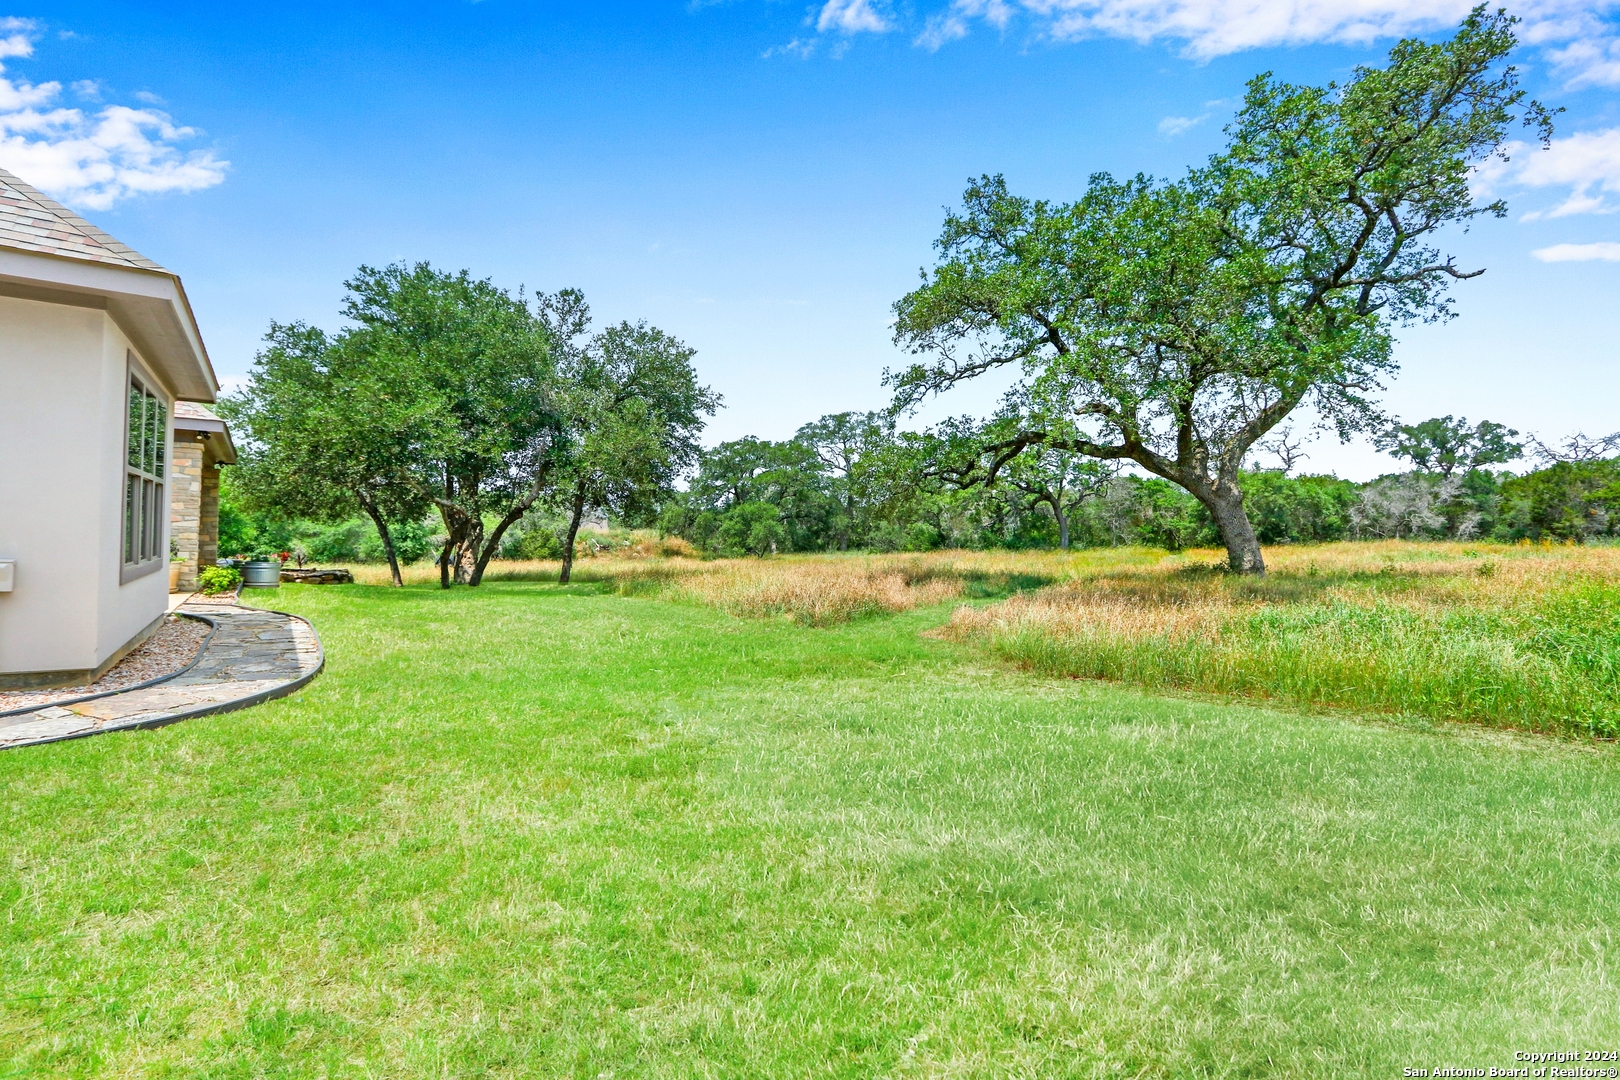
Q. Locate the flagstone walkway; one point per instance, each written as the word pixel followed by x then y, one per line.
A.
pixel 253 656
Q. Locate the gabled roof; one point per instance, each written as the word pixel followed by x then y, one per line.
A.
pixel 32 221
pixel 194 410
pixel 190 416
pixel 49 253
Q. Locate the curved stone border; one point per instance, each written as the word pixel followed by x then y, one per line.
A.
pixel 253 655
pixel 212 626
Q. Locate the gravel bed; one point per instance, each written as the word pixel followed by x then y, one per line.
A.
pixel 217 598
pixel 171 647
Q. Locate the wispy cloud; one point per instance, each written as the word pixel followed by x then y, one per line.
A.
pixel 802 48
pixel 851 17
pixel 952 23
pixel 1587 163
pixel 1171 126
pixel 1580 36
pixel 839 21
pixel 1591 61
pixel 91 160
pixel 1600 252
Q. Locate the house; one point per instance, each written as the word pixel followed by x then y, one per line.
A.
pixel 97 345
pixel 202 444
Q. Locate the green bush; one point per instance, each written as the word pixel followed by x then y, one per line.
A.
pixel 218 579
pixel 341 543
pixel 536 544
pixel 412 541
pixel 750 528
pixel 1566 501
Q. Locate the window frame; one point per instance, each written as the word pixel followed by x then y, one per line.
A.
pixel 143 488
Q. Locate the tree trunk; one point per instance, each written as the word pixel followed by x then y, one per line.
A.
pixel 449 531
pixel 1063 526
pixel 573 532
pixel 1242 546
pixel 387 540
pixel 489 547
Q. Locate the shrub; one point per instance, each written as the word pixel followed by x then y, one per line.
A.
pixel 1577 500
pixel 537 544
pixel 218 579
pixel 340 543
pixel 412 542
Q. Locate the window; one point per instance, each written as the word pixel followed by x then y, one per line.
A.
pixel 145 460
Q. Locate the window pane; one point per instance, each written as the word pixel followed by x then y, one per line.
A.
pixel 131 518
pixel 155 547
pixel 162 434
pixel 137 423
pixel 149 458
pixel 146 515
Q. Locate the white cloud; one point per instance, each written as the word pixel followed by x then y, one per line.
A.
pixel 91 159
pixel 1606 251
pixel 851 17
pixel 1590 52
pixel 941 29
pixel 1592 61
pixel 803 48
pixel 1587 163
pixel 951 25
pixel 19 37
pixel 1171 126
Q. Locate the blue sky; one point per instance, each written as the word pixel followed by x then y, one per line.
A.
pixel 761 178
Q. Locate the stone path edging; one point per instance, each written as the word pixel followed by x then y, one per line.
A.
pixel 212 626
pixel 252 655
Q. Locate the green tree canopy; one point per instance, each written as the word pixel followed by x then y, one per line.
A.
pixel 478 361
pixel 635 411
pixel 1444 444
pixel 325 432
pixel 1176 324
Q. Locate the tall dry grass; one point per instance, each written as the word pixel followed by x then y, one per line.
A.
pixel 815 590
pixel 1525 637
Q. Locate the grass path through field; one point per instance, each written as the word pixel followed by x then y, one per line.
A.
pixel 530 831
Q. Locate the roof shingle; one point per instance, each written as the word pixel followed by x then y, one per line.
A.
pixel 31 221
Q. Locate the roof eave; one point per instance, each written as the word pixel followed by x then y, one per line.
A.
pixel 150 306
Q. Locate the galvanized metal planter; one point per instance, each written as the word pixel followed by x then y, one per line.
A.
pixel 261 575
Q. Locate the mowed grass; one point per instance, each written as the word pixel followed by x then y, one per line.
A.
pixel 534 831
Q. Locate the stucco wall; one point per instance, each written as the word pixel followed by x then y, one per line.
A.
pixel 62 407
pixel 126 609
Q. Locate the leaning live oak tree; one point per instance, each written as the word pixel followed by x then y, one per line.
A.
pixel 1175 324
pixel 478 361
pixel 325 433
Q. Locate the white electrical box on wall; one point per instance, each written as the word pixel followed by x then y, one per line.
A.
pixel 8 574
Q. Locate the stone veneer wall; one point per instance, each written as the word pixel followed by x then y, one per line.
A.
pixel 208 518
pixel 187 480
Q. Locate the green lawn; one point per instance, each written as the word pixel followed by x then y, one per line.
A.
pixel 531 831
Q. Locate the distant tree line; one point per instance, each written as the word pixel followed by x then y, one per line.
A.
pixel 851 480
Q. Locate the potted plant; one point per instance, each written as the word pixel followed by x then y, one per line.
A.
pixel 263 570
pixel 177 562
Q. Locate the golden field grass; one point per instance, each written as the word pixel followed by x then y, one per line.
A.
pixel 1513 636
pixel 1522 637
pixel 814 590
